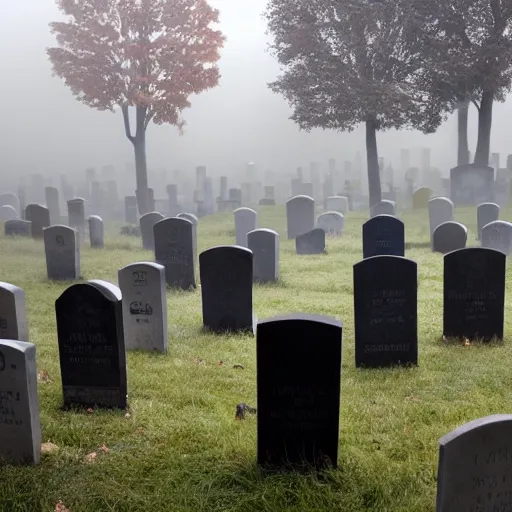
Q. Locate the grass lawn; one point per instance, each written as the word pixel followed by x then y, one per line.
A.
pixel 180 448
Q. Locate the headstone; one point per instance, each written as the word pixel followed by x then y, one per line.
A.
pixel 131 211
pixel 421 197
pixel 13 313
pixel 172 193
pixel 385 309
pixel 498 235
pixel 485 214
pixel 449 236
pixel 383 235
pixel 338 204
pixel 7 213
pixel 10 199
pixel 226 288
pixel 174 249
pixel 246 220
pixel 20 428
pixel 18 228
pixel 39 216
pixel 62 253
pixel 144 306
pixel 471 185
pixel 91 345
pixel 96 231
pixel 195 222
pixel 474 294
pixel 440 209
pixel 385 207
pixel 264 244
pixel 312 242
pixel 147 223
pixel 475 466
pixel 298 381
pixel 52 203
pixel 300 215
pixel 331 222
pixel 76 214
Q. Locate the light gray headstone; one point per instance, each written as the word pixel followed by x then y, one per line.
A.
pixel 20 428
pixel 195 221
pixel 62 253
pixel 338 204
pixel 96 231
pixel 471 184
pixel 385 207
pixel 498 235
pixel 144 306
pixel 300 215
pixel 331 222
pixel 147 223
pixel 52 203
pixel 264 244
pixel 7 212
pixel 76 214
pixel 13 313
pixel 246 220
pixel 440 209
pixel 475 466
pixel 10 199
pixel 485 214
pixel 18 228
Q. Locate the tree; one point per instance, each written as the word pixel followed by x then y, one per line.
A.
pixel 147 54
pixel 346 62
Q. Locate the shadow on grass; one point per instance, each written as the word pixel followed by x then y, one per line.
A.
pixel 417 245
pixel 471 342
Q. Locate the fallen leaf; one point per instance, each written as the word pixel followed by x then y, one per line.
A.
pixel 198 360
pixel 238 366
pixel 127 415
pixel 43 376
pixel 221 363
pixel 467 343
pixel 91 457
pixel 140 431
pixel 104 448
pixel 49 448
pixel 60 507
pixel 90 411
pixel 445 339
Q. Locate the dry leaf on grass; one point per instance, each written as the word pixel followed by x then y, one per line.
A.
pixel 198 360
pixel 467 343
pixel 91 457
pixel 48 448
pixel 127 415
pixel 221 363
pixel 238 366
pixel 43 376
pixel 90 411
pixel 60 507
pixel 104 448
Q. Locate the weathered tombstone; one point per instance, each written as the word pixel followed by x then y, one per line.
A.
pixel 421 197
pixel 498 235
pixel 385 207
pixel 7 212
pixel 246 220
pixel 264 244
pixel 298 381
pixel 300 215
pixel 96 231
pixel 10 199
pixel 174 249
pixel 13 313
pixel 20 428
pixel 338 204
pixel 471 185
pixel 131 211
pixel 383 235
pixel 39 216
pixel 76 214
pixel 52 203
pixel 449 236
pixel 91 345
pixel 440 209
pixel 474 294
pixel 18 228
pixel 147 223
pixel 485 214
pixel 195 222
pixel 144 306
pixel 312 242
pixel 62 253
pixel 226 288
pixel 386 311
pixel 475 466
pixel 331 222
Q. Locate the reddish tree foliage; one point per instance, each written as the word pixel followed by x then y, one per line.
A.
pixel 147 54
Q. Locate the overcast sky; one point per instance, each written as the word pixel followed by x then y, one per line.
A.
pixel 43 128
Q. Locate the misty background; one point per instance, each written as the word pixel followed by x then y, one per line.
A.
pixel 43 129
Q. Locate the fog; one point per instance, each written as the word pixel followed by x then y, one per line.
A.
pixel 44 129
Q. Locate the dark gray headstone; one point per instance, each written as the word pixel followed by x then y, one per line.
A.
pixel 383 235
pixel 385 310
pixel 226 288
pixel 40 218
pixel 298 380
pixel 18 228
pixel 498 235
pixel 147 223
pixel 312 242
pixel 195 222
pixel 174 249
pixel 91 345
pixel 385 207
pixel 96 231
pixel 475 465
pixel 485 214
pixel 144 306
pixel 246 220
pixel 474 294
pixel 300 215
pixel 20 428
pixel 76 214
pixel 7 212
pixel 331 222
pixel 264 244
pixel 62 251
pixel 471 185
pixel 440 209
pixel 449 236
pixel 13 313
pixel 52 203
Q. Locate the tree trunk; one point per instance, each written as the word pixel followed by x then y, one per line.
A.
pixel 484 128
pixel 141 173
pixel 372 157
pixel 463 151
